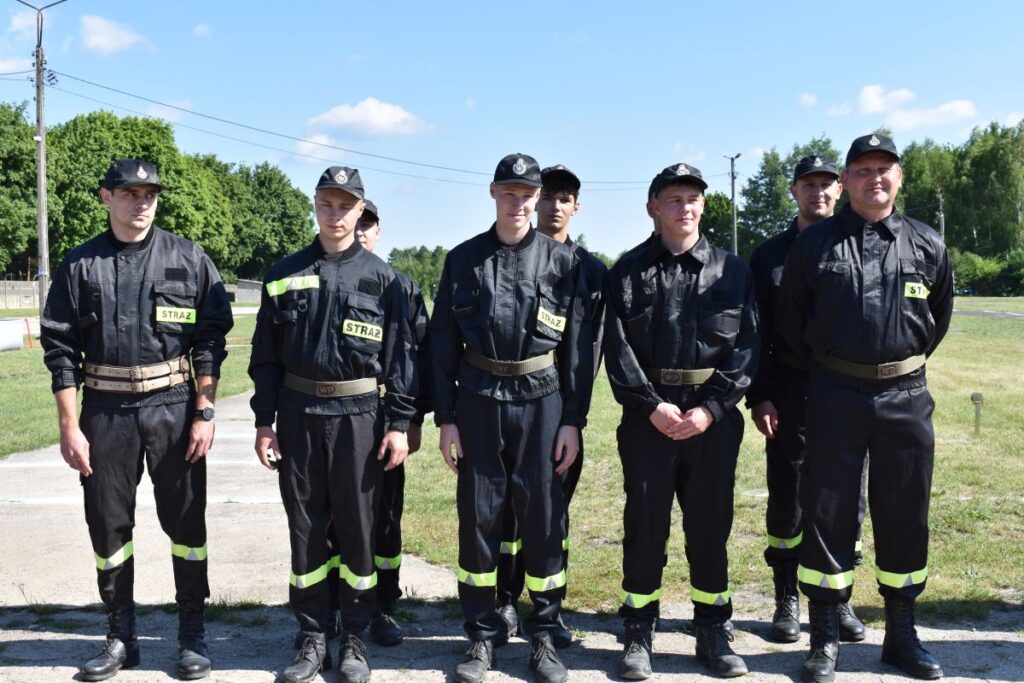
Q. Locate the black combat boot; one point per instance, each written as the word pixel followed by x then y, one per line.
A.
pixel 901 647
pixel 786 620
pixel 636 660
pixel 384 630
pixel 331 631
pixel 193 659
pixel 544 661
pixel 120 651
pixel 353 667
pixel 820 665
pixel 311 659
pixel 510 616
pixel 851 628
pixel 561 636
pixel 714 650
pixel 479 659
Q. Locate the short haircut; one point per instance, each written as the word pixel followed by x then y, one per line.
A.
pixel 559 183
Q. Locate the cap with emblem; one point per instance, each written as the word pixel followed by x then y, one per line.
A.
pixel 342 178
pixel 370 212
pixel 677 173
pixel 814 164
pixel 130 172
pixel 559 174
pixel 866 144
pixel 520 169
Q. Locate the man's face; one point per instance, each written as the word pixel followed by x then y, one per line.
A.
pixel 337 212
pixel 131 208
pixel 677 210
pixel 556 209
pixel 816 195
pixel 368 232
pixel 515 204
pixel 873 181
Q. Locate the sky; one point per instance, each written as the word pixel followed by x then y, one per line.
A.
pixel 615 91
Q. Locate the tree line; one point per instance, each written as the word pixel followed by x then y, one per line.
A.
pixel 247 217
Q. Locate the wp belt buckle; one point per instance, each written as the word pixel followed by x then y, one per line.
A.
pixel 325 389
pixel 888 370
pixel 672 377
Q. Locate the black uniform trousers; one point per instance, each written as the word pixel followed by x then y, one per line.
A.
pixel 508 461
pixel 847 419
pixel 388 557
pixel 785 456
pixel 122 442
pixel 701 472
pixel 511 569
pixel 329 473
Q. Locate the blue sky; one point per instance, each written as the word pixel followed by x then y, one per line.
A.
pixel 616 91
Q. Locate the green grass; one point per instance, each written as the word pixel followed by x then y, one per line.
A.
pixel 19 312
pixel 27 405
pixel 976 561
pixel 1006 304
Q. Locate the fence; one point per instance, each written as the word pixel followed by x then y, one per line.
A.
pixel 19 294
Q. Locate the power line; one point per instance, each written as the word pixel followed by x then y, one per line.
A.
pixel 18 73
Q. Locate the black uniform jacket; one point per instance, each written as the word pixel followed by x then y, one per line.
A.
pixel 593 278
pixel 126 305
pixel 690 311
pixel 866 293
pixel 331 318
pixel 419 321
pixel 512 303
pixel 766 263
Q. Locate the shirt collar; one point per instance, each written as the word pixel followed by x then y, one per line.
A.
pixel 527 240
pixel 853 221
pixel 656 251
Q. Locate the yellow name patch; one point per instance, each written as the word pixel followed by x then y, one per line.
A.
pixel 167 314
pixel 555 322
pixel 915 290
pixel 357 328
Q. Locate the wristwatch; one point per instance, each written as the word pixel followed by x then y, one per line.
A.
pixel 205 414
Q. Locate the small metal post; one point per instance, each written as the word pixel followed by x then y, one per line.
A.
pixel 977 399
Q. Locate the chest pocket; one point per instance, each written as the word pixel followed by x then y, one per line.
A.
pixel 362 324
pixel 720 313
pixel 465 304
pixel 90 305
pixel 833 287
pixel 174 305
pixel 640 313
pixel 552 312
pixel 915 280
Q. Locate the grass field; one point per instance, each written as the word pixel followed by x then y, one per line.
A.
pixel 977 516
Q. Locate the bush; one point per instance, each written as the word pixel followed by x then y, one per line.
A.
pixel 975 274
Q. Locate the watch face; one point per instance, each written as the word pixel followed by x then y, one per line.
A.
pixel 205 413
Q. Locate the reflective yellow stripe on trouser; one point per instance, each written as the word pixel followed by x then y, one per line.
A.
pixel 480 580
pixel 539 584
pixel 117 559
pixel 187 553
pixel 895 580
pixel 816 578
pixel 511 547
pixel 785 543
pixel 385 563
pixel 314 577
pixel 710 598
pixel 638 600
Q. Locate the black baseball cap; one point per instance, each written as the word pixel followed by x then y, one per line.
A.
pixel 866 144
pixel 130 172
pixel 342 178
pixel 371 211
pixel 521 169
pixel 676 173
pixel 814 164
pixel 549 174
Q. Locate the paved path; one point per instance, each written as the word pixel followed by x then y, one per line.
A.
pixel 49 621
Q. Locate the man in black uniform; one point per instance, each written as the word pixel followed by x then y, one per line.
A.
pixel 681 347
pixel 331 328
pixel 866 297
pixel 509 328
pixel 388 556
pixel 134 314
pixel 776 402
pixel 559 202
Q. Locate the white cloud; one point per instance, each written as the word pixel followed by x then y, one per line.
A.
pixel 15 64
pixel 202 30
pixel 470 103
pixel 1013 118
pixel 311 146
pixel 836 110
pixel 107 37
pixel 168 113
pixel 688 152
pixel 371 116
pixel 23 23
pixel 909 119
pixel 757 151
pixel 808 99
pixel 874 99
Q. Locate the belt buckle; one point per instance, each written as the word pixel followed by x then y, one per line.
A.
pixel 135 379
pixel 671 377
pixel 502 368
pixel 887 370
pixel 326 389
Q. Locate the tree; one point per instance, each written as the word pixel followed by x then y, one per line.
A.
pixel 928 169
pixel 17 185
pixel 716 222
pixel 422 264
pixel 767 205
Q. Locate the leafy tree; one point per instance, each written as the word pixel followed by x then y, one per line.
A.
pixel 422 264
pixel 767 205
pixel 716 222
pixel 17 185
pixel 928 169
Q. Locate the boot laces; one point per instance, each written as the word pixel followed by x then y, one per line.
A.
pixel 308 651
pixel 788 607
pixel 543 650
pixel 478 650
pixel 353 647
